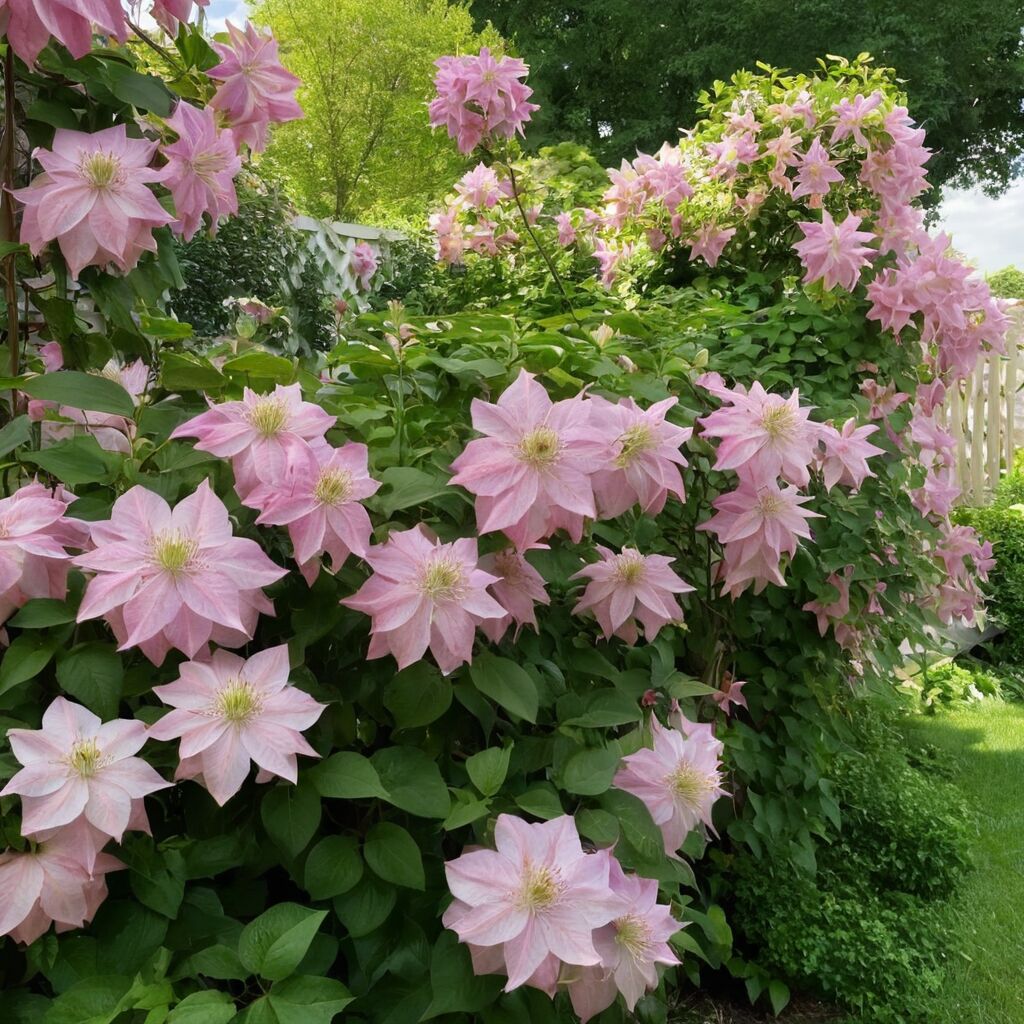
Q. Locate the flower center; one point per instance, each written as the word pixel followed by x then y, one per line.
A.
pixel 238 702
pixel 769 505
pixel 333 487
pixel 633 934
pixel 635 441
pixel 208 165
pixel 442 579
pixel 173 551
pixel 101 170
pixel 86 758
pixel 539 448
pixel 689 784
pixel 778 421
pixel 629 569
pixel 539 888
pixel 506 565
pixel 268 416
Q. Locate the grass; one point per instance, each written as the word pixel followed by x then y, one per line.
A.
pixel 985 985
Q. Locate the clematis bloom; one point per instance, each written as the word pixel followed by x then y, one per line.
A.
pixel 29 24
pixel 169 14
pixel 847 451
pixel 832 252
pixel 517 589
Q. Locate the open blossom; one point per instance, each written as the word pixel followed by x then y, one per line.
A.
pixel 935 499
pixel 609 257
pixel 709 243
pixel 480 97
pixel 853 115
pixel 833 252
pixel 77 766
pixel 531 472
pixel 517 589
pixel 816 174
pixel 631 588
pixel 170 13
pixel 267 437
pixel 364 264
pixel 762 436
pixel 730 692
pixel 847 451
pixel 566 231
pixel 678 779
pixel 630 948
pixel 321 506
pixel 480 187
pixel 92 199
pixel 536 895
pixel 51 884
pixel 201 168
pixel 178 578
pixel 644 459
pixel 885 400
pixel 255 90
pixel 231 711
pixel 28 24
pixel 425 594
pixel 959 543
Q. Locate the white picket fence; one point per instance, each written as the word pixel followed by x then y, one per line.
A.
pixel 986 417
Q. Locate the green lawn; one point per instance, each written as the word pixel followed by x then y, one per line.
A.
pixel 987 741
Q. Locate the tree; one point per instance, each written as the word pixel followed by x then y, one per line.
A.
pixel 364 148
pixel 620 74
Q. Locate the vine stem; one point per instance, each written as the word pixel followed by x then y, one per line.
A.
pixel 155 46
pixel 536 241
pixel 7 227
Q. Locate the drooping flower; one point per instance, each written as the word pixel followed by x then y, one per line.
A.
pixel 834 611
pixel 959 543
pixel 364 264
pixel 631 588
pixel 92 199
pixel 935 498
pixel 28 24
pixel 609 257
pixel 425 594
pixel 267 437
pixel 885 400
pixel 730 692
pixel 533 467
pixel 201 168
pixel 566 230
pixel 170 13
pixel 518 588
pixel 321 506
pixel 51 885
pixel 678 779
pixel 833 252
pixel 816 174
pixel 231 711
pixel 645 456
pixel 256 90
pixel 630 948
pixel 77 766
pixel 479 97
pixel 178 578
pixel 846 455
pixel 762 436
pixel 709 243
pixel 538 894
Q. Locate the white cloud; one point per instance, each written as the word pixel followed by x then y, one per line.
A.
pixel 219 11
pixel 989 232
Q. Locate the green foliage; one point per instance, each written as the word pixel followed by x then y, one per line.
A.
pixel 950 684
pixel 1007 283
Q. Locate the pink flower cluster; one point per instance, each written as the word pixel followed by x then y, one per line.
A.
pixel 480 98
pixel 546 914
pixel 29 24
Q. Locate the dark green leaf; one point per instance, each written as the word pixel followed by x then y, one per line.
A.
pixel 17 432
pixel 210 1007
pixel 394 856
pixel 291 816
pixel 366 907
pixel 488 769
pixel 417 696
pixel 505 683
pixel 590 772
pixel 41 612
pixel 274 944
pixel 412 781
pixel 333 867
pixel 27 656
pixel 93 674
pixel 347 776
pixel 87 391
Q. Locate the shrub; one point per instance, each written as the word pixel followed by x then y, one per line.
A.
pixel 950 684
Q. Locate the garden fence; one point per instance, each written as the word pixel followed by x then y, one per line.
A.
pixel 985 415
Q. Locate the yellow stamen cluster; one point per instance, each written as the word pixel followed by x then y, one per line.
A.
pixel 690 784
pixel 334 487
pixel 173 551
pixel 101 170
pixel 635 441
pixel 779 421
pixel 442 579
pixel 539 888
pixel 86 758
pixel 634 935
pixel 238 702
pixel 269 416
pixel 539 448
pixel 629 569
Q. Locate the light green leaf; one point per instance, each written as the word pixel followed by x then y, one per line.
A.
pixel 412 781
pixel 394 856
pixel 41 612
pixel 590 772
pixel 506 683
pixel 347 776
pixel 210 1007
pixel 606 708
pixel 87 391
pixel 488 769
pixel 27 656
pixel 404 487
pixel 274 944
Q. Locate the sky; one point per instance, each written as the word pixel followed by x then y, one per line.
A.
pixel 220 11
pixel 989 232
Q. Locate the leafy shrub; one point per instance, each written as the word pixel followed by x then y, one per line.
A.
pixel 951 684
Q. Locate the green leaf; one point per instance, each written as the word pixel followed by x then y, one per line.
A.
pixel 301 1000
pixel 417 696
pixel 778 994
pixel 505 683
pixel 209 1007
pixel 394 856
pixel 636 825
pixel 17 432
pixel 79 460
pixel 454 986
pixel 333 867
pixel 218 961
pixel 189 373
pixel 41 612
pixel 542 802
pixel 605 709
pixel 157 877
pixel 262 365
pixel 347 776
pixel 27 656
pixel 94 1000
pixel 93 674
pixel 590 772
pixel 404 487
pixel 488 769
pixel 291 816
pixel 412 781
pixel 147 92
pixel 366 907
pixel 274 944
pixel 86 391
pixel 466 808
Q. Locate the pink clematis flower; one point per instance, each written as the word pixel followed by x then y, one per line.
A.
pixel 762 436
pixel 853 115
pixel 28 24
pixel 322 509
pixel 175 578
pixel 730 693
pixel 267 437
pixel 231 711
pixel 77 766
pixel 201 168
pixel 170 13
pixel 816 174
pixel 847 451
pixel 833 252
pixel 679 780
pixel 92 199
pixel 51 885
pixel 834 611
pixel 518 588
pixel 645 456
pixel 538 894
pixel 480 188
pixel 566 230
pixel 255 89
pixel 630 947
pixel 364 264
pixel 935 499
pixel 425 594
pixel 709 243
pixel 531 472
pixel 631 588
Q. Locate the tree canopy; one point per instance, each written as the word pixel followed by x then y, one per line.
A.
pixel 364 148
pixel 621 74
